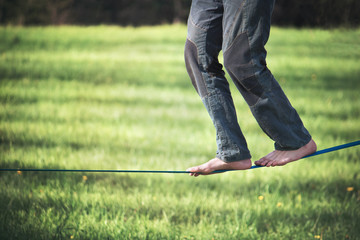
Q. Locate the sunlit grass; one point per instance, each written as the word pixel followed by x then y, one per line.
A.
pixel 119 98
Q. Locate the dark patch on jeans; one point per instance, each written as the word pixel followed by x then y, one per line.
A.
pixel 250 96
pixel 193 68
pixel 237 61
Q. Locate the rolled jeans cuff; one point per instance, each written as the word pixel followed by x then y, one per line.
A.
pixel 234 157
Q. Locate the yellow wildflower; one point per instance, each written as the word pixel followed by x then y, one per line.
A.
pixel 84 178
pixel 350 189
pixel 261 198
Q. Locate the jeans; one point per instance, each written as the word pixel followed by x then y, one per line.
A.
pixel 240 28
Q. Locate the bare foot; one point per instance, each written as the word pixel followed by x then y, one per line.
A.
pixel 280 158
pixel 218 164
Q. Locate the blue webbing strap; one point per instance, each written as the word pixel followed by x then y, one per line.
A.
pixel 327 150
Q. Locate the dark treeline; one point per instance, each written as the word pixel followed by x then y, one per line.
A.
pixel 309 13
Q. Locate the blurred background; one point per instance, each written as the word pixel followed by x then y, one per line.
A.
pixel 92 94
pixel 299 13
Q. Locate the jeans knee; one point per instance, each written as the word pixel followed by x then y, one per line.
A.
pixel 193 68
pixel 240 66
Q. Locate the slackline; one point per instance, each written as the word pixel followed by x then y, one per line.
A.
pixel 327 150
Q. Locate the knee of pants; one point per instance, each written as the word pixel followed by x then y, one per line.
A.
pixel 242 70
pixel 193 68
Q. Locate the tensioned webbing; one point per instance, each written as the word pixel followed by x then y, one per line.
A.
pixel 327 150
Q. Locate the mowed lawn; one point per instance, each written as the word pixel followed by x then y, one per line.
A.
pixel 108 97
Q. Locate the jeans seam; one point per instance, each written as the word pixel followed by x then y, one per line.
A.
pixel 196 25
pixel 198 61
pixel 235 17
pixel 258 83
pixel 245 31
pixel 234 40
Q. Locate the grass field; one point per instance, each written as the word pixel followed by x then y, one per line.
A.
pixel 107 97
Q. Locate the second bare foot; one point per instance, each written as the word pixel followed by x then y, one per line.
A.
pixel 280 158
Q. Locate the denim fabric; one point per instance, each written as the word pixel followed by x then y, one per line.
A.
pixel 240 28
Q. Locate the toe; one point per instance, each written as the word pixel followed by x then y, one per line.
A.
pixel 263 161
pixel 270 163
pixel 193 171
pixel 259 162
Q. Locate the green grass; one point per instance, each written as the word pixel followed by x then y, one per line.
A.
pixel 119 98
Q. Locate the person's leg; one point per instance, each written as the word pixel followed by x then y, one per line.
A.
pixel 204 42
pixel 246 31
